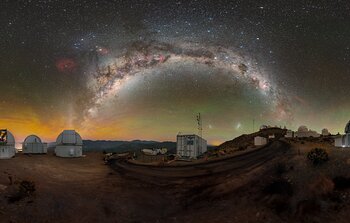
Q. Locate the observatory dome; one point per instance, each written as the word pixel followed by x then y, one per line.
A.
pixel 32 139
pixel 69 137
pixel 303 128
pixel 7 148
pixel 10 139
pixel 325 131
pixel 33 144
pixel 347 128
pixel 263 127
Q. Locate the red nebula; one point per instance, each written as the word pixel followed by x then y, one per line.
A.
pixel 66 65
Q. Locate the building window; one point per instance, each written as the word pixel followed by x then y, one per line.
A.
pixel 189 142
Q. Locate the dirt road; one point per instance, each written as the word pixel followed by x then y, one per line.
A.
pixel 235 165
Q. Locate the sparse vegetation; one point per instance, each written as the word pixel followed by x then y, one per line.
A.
pixel 25 188
pixel 318 156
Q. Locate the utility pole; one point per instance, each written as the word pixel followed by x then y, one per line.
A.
pixel 199 122
pixel 253 124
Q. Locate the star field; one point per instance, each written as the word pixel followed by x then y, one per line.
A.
pixel 143 69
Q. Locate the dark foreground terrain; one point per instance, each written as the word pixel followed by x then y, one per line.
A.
pixel 271 184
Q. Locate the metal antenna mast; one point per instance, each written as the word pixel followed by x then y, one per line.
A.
pixel 199 122
pixel 253 124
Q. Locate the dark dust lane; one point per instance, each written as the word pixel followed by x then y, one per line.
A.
pixel 235 165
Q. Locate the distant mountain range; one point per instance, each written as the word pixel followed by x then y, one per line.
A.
pixel 124 146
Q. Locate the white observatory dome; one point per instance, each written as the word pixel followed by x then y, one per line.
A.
pixel 32 139
pixel 69 137
pixel 263 127
pixel 303 128
pixel 325 131
pixel 347 128
pixel 32 144
pixel 7 149
pixel 10 139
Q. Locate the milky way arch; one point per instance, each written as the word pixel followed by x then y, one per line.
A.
pixel 111 73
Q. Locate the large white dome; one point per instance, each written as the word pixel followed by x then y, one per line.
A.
pixel 347 128
pixel 32 139
pixel 325 131
pixel 69 137
pixel 303 128
pixel 10 139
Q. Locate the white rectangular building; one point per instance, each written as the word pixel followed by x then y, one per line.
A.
pixel 260 141
pixel 190 146
pixel 289 134
pixel 338 141
pixel 342 140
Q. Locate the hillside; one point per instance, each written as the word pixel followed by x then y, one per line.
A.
pixel 247 140
pixel 126 146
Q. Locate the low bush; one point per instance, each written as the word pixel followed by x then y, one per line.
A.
pixel 24 189
pixel 318 156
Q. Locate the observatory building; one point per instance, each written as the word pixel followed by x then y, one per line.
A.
pixel 303 131
pixel 69 144
pixel 33 144
pixel 325 132
pixel 190 146
pixel 7 145
pixel 343 140
pixel 289 134
pixel 263 127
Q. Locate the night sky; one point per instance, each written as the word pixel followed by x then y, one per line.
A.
pixel 143 69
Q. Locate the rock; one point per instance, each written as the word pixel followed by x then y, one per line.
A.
pixel 348 161
pixel 2 187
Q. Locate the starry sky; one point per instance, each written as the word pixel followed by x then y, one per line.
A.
pixel 123 70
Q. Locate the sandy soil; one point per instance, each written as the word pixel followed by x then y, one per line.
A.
pixel 74 190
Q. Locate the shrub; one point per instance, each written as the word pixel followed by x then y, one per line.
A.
pixel 317 156
pixel 24 189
